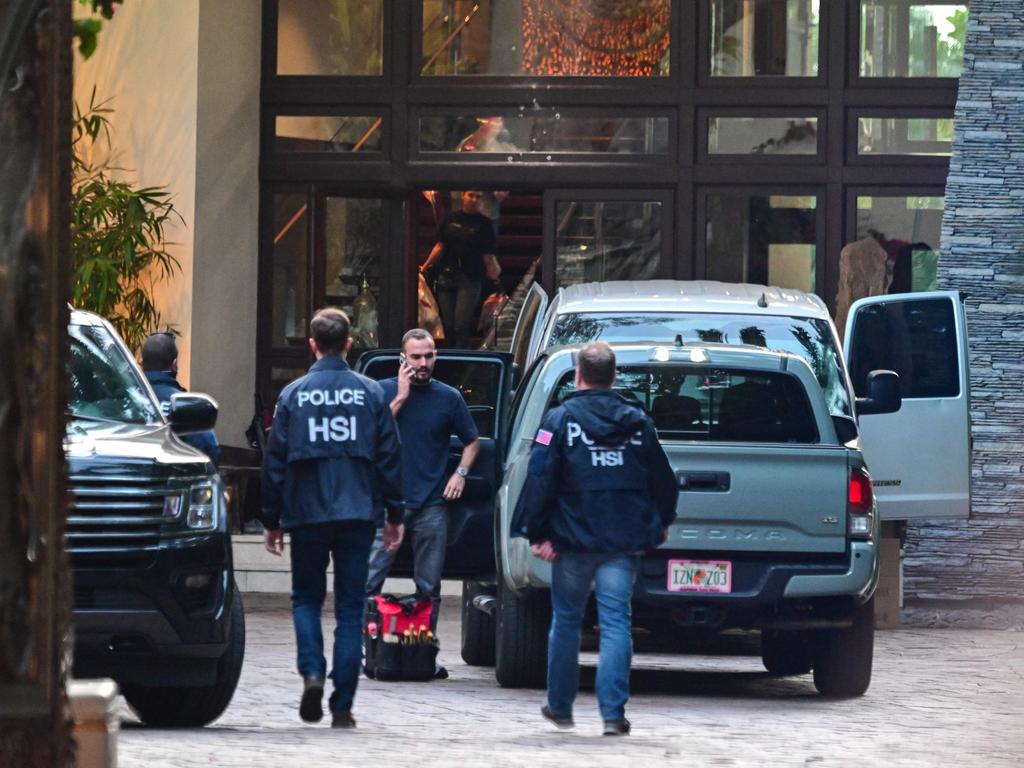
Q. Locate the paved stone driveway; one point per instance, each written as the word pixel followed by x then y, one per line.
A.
pixel 940 697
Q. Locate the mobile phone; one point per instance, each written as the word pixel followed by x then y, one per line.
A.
pixel 401 359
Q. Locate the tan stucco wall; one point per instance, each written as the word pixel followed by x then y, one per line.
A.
pixel 184 78
pixel 146 63
pixel 227 210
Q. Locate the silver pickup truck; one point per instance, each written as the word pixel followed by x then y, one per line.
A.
pixel 771 430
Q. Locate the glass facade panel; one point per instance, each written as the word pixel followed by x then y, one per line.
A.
pixel 546 38
pixel 355 250
pixel 615 240
pixel 928 136
pixel 288 319
pixel 908 229
pixel 762 239
pixel 903 38
pixel 522 133
pixel 328 133
pixel 763 135
pixel 764 37
pixel 330 37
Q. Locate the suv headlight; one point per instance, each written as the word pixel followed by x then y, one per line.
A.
pixel 203 506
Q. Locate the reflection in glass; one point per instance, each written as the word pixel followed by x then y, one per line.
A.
pixel 762 239
pixel 763 135
pixel 904 38
pixel 288 309
pixel 764 37
pixel 355 250
pixel 908 229
pixel 103 383
pixel 597 241
pixel 543 131
pixel 614 38
pixel 330 37
pixel 905 136
pixel 809 338
pixel 328 133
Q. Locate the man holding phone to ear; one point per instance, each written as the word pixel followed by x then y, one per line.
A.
pixel 428 413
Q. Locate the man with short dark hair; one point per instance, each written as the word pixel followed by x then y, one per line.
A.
pixel 428 414
pixel 331 460
pixel 160 366
pixel 599 491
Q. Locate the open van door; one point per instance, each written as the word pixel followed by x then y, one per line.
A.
pixel 485 381
pixel 528 326
pixel 919 456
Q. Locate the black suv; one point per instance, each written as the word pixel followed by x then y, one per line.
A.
pixel 155 603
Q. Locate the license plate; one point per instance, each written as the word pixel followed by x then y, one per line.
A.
pixel 699 576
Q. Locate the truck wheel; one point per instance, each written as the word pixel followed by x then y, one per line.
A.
pixel 842 660
pixel 195 706
pixel 786 653
pixel 477 629
pixel 521 652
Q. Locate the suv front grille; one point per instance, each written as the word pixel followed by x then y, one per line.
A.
pixel 115 520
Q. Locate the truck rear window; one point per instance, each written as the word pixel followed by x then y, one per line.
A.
pixel 689 402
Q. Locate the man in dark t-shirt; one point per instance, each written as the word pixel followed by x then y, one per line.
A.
pixel 464 256
pixel 428 413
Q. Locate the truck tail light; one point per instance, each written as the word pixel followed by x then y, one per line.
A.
pixel 860 506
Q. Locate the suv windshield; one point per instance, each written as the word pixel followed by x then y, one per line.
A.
pixel 104 384
pixel 809 338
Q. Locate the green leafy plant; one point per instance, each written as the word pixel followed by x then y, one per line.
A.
pixel 87 31
pixel 117 234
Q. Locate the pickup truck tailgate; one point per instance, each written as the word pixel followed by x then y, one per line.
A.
pixel 759 498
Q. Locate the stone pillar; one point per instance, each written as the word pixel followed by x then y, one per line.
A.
pixel 983 256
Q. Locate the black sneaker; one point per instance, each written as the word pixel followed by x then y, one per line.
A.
pixel 440 673
pixel 311 708
pixel 616 727
pixel 560 721
pixel 343 720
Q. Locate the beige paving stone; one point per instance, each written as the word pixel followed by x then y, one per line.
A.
pixel 940 697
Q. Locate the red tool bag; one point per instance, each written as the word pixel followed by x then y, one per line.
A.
pixel 397 641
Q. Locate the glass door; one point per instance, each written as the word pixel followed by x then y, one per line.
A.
pixel 601 235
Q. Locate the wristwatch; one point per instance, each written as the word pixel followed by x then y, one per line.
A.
pixel 461 471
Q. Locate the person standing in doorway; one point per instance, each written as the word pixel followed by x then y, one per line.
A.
pixel 599 491
pixel 428 414
pixel 463 257
pixel 160 365
pixel 331 460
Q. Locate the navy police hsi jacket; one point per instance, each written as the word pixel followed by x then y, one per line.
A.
pixel 598 479
pixel 333 452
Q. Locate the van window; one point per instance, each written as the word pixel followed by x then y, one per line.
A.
pixel 809 338
pixel 689 402
pixel 916 339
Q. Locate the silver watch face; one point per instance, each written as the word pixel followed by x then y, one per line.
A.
pixel 462 471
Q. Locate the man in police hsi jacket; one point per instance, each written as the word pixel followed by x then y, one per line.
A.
pixel 332 461
pixel 599 491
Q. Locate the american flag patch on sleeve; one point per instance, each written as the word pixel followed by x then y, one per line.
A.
pixel 544 437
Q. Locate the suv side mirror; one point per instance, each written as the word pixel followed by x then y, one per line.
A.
pixel 192 412
pixel 883 394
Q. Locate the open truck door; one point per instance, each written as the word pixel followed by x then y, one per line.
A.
pixel 918 456
pixel 485 381
pixel 526 336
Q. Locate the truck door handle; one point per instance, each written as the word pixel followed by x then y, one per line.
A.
pixel 703 481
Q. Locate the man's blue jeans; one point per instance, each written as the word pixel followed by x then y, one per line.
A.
pixel 312 546
pixel 612 576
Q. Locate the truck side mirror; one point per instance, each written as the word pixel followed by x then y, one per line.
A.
pixel 883 394
pixel 191 412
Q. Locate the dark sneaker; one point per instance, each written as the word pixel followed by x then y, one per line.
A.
pixel 616 727
pixel 560 721
pixel 440 673
pixel 343 720
pixel 311 708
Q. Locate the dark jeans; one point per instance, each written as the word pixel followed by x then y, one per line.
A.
pixel 348 543
pixel 457 299
pixel 427 529
pixel 572 576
